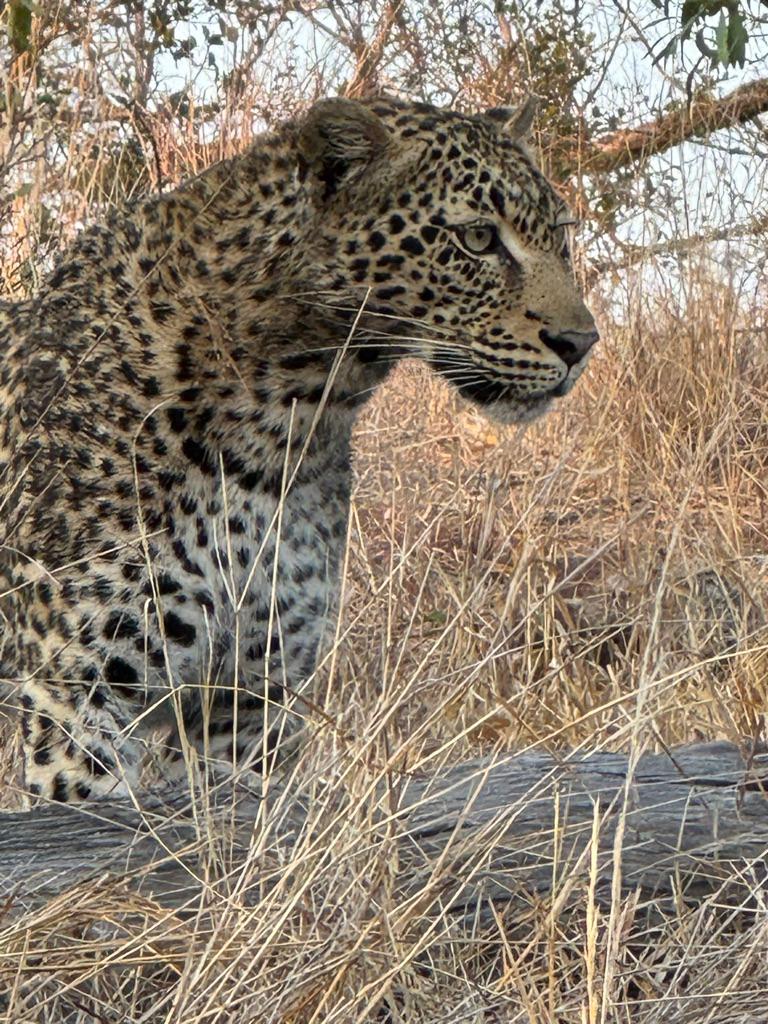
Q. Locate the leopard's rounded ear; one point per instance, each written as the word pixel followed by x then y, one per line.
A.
pixel 517 121
pixel 337 138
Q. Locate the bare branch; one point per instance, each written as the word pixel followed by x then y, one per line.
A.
pixel 369 55
pixel 632 255
pixel 703 116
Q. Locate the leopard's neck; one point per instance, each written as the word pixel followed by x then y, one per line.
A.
pixel 212 294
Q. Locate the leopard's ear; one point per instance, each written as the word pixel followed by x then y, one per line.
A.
pixel 517 121
pixel 336 139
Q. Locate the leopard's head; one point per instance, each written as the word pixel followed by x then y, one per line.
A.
pixel 441 224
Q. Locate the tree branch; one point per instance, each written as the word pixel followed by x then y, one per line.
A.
pixel 630 255
pixel 369 55
pixel 703 116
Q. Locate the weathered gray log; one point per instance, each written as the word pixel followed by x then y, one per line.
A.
pixel 691 817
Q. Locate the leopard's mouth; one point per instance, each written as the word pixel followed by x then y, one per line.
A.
pixel 482 389
pixel 563 388
pixel 566 385
pixel 500 397
pixel 503 400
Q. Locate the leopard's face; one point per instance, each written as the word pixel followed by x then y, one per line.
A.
pixel 451 234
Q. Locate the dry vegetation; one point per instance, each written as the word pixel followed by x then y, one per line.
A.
pixel 598 581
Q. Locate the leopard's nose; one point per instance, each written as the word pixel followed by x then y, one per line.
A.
pixel 570 346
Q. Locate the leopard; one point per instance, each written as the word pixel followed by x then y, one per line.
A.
pixel 177 405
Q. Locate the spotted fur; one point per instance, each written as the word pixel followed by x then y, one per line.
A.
pixel 177 403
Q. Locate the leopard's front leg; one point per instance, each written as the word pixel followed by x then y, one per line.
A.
pixel 76 742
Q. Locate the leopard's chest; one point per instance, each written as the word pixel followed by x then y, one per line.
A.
pixel 252 570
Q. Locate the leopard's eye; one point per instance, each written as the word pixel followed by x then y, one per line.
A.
pixel 478 238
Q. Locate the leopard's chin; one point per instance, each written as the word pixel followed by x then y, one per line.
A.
pixel 510 411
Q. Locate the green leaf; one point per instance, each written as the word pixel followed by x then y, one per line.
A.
pixel 737 38
pixel 721 41
pixel 19 25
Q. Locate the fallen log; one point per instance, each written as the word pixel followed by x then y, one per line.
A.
pixel 677 822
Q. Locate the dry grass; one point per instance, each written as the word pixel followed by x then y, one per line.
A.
pixel 598 581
